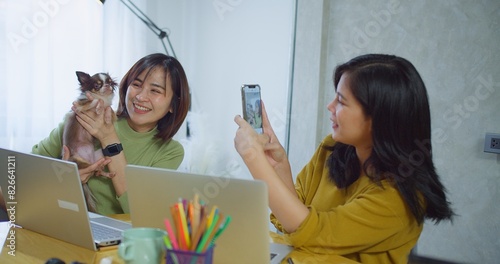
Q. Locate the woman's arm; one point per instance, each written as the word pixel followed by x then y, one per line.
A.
pixel 276 153
pixel 374 218
pixel 260 153
pixel 52 145
pixel 284 204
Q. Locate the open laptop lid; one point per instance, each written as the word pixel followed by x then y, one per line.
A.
pixel 46 196
pixel 151 191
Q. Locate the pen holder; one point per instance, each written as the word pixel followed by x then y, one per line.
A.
pixel 175 256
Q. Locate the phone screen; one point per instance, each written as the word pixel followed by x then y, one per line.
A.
pixel 252 109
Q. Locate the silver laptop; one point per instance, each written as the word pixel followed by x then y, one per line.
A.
pixel 151 192
pixel 47 197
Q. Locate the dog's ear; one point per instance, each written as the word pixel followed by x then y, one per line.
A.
pixel 83 77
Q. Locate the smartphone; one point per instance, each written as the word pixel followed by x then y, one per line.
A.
pixel 252 107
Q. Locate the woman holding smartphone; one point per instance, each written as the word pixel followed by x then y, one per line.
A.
pixel 362 195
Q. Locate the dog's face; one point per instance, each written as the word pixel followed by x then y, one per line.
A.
pixel 99 83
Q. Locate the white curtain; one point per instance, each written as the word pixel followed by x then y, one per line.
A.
pixel 42 44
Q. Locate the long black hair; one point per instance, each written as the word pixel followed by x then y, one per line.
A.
pixel 392 93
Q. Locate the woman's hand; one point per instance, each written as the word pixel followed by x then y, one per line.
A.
pixel 275 152
pixel 248 143
pixel 266 159
pixel 95 169
pixel 98 122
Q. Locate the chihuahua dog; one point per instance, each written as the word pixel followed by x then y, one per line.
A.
pixel 80 142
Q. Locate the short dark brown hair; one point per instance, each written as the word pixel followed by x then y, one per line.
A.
pixel 169 124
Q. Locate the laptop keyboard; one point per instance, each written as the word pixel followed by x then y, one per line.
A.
pixel 102 232
pixel 111 222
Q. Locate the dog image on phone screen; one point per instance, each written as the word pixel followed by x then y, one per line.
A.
pixel 80 142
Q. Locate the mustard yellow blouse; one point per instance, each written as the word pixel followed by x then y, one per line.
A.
pixel 368 223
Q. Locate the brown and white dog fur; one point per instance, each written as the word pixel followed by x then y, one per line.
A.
pixel 81 144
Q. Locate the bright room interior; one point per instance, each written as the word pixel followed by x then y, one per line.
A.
pixel 290 48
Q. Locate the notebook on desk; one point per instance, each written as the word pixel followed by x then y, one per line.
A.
pixel 46 196
pixel 151 191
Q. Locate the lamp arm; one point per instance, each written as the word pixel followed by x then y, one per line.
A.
pixel 150 24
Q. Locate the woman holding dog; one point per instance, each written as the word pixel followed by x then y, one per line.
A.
pixel 153 103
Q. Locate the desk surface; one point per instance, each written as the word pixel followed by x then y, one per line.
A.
pixel 31 247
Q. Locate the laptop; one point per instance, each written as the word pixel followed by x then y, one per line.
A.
pixel 151 192
pixel 46 196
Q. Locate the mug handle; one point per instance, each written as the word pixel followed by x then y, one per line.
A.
pixel 124 252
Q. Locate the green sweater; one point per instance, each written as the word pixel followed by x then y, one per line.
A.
pixel 139 149
pixel 367 222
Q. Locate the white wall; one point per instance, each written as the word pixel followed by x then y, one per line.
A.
pixel 42 44
pixel 223 44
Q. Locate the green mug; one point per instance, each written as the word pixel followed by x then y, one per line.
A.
pixel 142 245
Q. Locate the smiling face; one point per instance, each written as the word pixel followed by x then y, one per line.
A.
pixel 148 99
pixel 350 125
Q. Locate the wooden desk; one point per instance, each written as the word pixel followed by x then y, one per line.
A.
pixel 34 248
